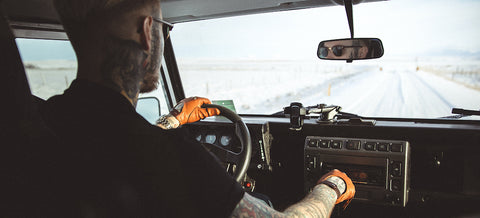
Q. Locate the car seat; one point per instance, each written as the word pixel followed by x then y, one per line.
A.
pixel 30 169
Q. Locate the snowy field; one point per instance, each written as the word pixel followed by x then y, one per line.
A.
pixel 425 88
pixel 48 78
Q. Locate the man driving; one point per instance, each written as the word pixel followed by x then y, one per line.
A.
pixel 120 165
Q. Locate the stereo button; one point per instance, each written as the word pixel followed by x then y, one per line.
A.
pixel 395 185
pixel 310 162
pixel 397 147
pixel 382 146
pixel 324 144
pixel 396 169
pixel 370 146
pixel 353 145
pixel 312 143
pixel 337 144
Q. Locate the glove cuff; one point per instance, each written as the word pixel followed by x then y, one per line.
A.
pixel 349 192
pixel 168 122
pixel 332 186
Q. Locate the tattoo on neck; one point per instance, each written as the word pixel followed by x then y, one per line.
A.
pixel 122 69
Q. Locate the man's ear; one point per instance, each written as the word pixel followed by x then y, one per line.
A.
pixel 146 33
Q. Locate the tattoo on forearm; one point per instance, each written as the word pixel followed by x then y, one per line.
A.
pixel 319 203
pixel 252 207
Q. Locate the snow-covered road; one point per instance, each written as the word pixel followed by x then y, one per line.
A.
pixel 390 91
pixel 399 93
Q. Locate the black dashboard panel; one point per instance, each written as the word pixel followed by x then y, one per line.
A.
pixel 444 170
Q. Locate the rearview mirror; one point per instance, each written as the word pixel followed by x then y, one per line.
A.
pixel 149 108
pixel 350 49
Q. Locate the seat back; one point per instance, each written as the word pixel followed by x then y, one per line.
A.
pixel 28 164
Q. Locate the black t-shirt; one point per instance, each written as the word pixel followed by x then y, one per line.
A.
pixel 117 164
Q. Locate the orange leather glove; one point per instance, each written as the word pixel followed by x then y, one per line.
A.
pixel 189 110
pixel 349 187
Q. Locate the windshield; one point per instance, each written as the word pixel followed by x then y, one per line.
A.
pixel 264 62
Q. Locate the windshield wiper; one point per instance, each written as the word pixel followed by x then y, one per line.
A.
pixel 462 113
pixel 345 115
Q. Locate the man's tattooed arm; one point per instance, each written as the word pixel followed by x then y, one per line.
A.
pixel 319 203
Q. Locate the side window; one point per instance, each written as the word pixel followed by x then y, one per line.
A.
pixel 160 95
pixel 51 66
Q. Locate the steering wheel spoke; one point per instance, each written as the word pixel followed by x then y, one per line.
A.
pixel 238 161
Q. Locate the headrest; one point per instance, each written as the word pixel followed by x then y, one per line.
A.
pixel 16 95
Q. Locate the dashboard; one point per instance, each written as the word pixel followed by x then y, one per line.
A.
pixel 399 167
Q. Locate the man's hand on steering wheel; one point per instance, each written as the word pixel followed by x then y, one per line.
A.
pixel 188 110
pixel 193 109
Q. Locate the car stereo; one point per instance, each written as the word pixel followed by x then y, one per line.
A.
pixel 379 169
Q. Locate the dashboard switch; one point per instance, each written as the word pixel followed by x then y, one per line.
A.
pixel 312 143
pixel 353 145
pixel 396 147
pixel 337 144
pixel 382 147
pixel 395 185
pixel 396 169
pixel 370 146
pixel 324 144
pixel 310 162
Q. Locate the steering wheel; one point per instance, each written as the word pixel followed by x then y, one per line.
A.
pixel 241 159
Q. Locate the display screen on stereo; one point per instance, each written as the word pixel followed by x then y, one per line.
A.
pixel 360 174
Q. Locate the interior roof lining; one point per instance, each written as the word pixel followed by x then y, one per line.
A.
pixel 174 11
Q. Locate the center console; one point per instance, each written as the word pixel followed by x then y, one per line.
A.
pixel 379 169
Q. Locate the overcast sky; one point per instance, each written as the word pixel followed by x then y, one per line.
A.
pixel 406 27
